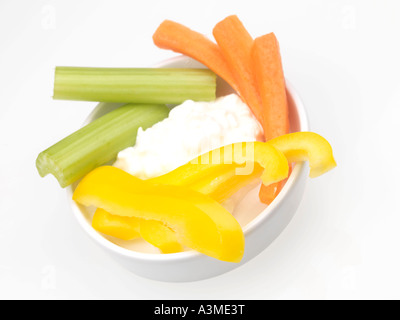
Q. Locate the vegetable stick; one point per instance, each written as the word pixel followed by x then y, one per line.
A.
pixel 236 44
pixel 268 70
pixel 173 36
pixel 125 228
pixel 160 236
pixel 267 194
pixel 97 143
pixel 307 146
pixel 134 85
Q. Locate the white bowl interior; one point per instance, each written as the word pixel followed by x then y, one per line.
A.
pixel 249 211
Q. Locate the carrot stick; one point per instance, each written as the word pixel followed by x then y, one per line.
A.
pixel 268 70
pixel 268 193
pixel 235 44
pixel 178 38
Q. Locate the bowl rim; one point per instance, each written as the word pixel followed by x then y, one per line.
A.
pixel 248 229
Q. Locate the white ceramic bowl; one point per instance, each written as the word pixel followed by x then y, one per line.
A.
pixel 265 224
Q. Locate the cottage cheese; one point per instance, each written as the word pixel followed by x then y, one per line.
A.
pixel 191 129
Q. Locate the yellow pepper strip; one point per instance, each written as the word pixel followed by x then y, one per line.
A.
pixel 160 236
pixel 209 172
pixel 222 187
pixel 124 228
pixel 129 228
pixel 200 222
pixel 302 146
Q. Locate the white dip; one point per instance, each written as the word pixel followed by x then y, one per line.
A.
pixel 191 129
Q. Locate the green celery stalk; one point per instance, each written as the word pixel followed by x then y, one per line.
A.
pixel 135 85
pixel 97 143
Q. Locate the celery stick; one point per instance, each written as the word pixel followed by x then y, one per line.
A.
pixel 97 143
pixel 137 85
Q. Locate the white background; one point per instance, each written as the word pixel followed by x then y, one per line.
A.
pixel 343 58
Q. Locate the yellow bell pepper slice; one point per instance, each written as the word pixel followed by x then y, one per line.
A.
pixel 222 187
pixel 219 182
pixel 129 228
pixel 302 146
pixel 124 228
pixel 200 222
pixel 222 172
pixel 160 236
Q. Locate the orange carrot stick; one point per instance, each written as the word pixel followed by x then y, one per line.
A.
pixel 268 193
pixel 235 44
pixel 268 70
pixel 178 38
